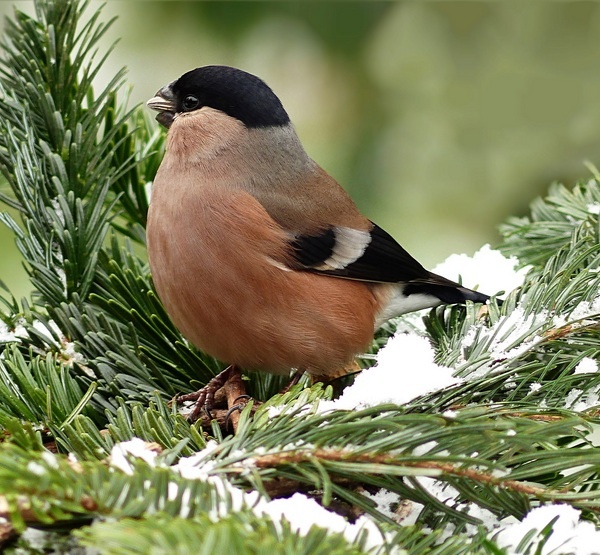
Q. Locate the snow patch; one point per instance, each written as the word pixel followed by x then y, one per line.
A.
pixel 578 401
pixel 569 533
pixel 594 208
pixel 587 365
pixel 136 447
pixel 303 512
pixel 488 270
pixel 511 336
pixel 406 366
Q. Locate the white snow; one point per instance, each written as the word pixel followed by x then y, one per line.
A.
pixel 303 512
pixel 15 335
pixel 448 495
pixel 136 447
pixel 62 275
pixel 488 270
pixel 535 386
pixel 300 511
pixel 386 501
pixel 569 533
pixel 425 448
pixel 411 322
pixel 594 208
pixel 48 334
pixel 36 468
pixel 509 337
pixel 578 401
pixel 148 190
pixel 50 459
pixel 70 355
pixel 406 367
pixel 586 309
pixel 586 365
pixel 39 469
pixel 199 465
pixel 516 333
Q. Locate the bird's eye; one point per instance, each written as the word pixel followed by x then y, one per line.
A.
pixel 190 102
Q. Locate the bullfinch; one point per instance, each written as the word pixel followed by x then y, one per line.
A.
pixel 259 256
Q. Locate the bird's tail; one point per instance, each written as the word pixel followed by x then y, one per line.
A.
pixel 448 291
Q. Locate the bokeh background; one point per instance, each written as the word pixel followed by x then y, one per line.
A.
pixel 440 118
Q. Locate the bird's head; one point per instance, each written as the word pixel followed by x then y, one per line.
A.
pixel 234 92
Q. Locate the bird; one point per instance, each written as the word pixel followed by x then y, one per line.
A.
pixel 259 256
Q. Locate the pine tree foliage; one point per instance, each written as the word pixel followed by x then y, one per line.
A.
pixel 91 360
pixel 76 163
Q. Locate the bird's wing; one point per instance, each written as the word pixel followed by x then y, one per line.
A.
pixel 372 255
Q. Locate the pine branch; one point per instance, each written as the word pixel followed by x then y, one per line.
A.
pixel 543 331
pixel 240 534
pixel 553 220
pixel 78 164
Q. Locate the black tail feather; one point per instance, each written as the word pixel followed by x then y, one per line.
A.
pixel 446 290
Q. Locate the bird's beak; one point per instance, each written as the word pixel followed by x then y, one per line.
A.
pixel 164 103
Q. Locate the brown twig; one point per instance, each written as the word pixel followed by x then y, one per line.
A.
pixel 274 460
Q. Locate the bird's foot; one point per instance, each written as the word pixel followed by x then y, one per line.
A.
pixel 204 398
pixel 223 397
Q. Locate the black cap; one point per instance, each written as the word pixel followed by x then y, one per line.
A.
pixel 233 91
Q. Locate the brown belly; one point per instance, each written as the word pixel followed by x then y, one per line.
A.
pixel 213 267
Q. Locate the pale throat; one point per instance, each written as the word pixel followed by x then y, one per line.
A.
pixel 202 136
pixel 220 149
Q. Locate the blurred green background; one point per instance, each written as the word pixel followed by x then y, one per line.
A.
pixel 440 118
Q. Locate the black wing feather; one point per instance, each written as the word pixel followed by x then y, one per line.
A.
pixel 312 250
pixel 383 260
